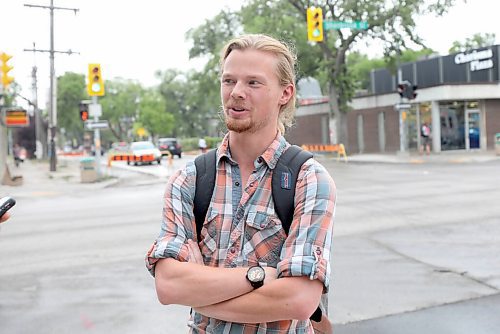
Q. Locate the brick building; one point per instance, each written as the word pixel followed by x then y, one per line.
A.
pixel 458 95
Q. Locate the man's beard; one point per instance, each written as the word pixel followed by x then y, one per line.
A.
pixel 244 125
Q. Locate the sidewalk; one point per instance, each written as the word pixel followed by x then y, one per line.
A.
pixel 449 157
pixel 38 180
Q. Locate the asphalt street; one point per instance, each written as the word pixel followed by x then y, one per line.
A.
pixel 415 249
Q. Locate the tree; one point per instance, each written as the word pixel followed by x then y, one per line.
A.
pixel 476 41
pixel 70 92
pixel 390 23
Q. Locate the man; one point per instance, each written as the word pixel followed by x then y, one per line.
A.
pixel 246 275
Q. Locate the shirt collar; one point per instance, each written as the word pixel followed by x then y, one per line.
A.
pixel 270 155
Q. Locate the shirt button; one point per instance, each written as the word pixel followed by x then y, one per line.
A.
pixel 232 250
pixel 259 160
pixel 318 251
pixel 237 184
pixel 233 265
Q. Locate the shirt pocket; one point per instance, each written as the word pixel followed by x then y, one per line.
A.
pixel 264 238
pixel 210 235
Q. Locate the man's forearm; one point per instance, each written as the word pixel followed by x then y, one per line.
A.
pixel 283 299
pixel 197 285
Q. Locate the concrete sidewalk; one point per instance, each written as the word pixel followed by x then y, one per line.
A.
pixel 38 180
pixel 448 157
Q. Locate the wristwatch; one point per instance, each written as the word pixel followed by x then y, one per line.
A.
pixel 256 275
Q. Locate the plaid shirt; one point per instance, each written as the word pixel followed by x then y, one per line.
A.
pixel 242 228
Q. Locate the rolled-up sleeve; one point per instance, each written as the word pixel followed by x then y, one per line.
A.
pixel 307 249
pixel 178 220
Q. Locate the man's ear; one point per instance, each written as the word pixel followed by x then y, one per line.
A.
pixel 287 94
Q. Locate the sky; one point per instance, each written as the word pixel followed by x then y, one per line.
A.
pixel 134 39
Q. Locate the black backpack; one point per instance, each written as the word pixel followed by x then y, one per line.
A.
pixel 283 183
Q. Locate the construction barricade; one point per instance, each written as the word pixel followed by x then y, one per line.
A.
pixel 130 158
pixel 327 148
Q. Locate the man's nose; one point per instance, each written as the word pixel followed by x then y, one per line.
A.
pixel 238 91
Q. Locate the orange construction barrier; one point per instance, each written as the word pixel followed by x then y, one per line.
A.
pixel 327 148
pixel 130 158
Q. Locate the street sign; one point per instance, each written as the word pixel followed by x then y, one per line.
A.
pixel 16 117
pixel 95 109
pixel 92 125
pixel 336 25
pixel 402 106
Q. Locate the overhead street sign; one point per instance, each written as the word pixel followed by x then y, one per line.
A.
pixel 336 25
pixel 92 125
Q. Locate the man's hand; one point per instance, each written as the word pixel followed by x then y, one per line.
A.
pixel 4 217
pixel 194 252
pixel 271 274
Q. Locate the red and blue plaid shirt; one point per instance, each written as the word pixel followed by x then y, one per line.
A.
pixel 242 228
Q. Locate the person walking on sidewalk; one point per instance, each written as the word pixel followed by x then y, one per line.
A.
pixel 425 133
pixel 247 275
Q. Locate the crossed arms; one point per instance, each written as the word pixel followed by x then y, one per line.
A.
pixel 225 294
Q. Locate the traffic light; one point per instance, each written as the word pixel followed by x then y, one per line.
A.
pixel 84 111
pixel 402 89
pixel 413 94
pixel 95 86
pixel 315 24
pixel 6 79
pixel 407 90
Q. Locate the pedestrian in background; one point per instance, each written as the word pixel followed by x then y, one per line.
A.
pixel 202 145
pixel 425 133
pixel 246 275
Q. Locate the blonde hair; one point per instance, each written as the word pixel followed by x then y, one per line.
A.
pixel 285 67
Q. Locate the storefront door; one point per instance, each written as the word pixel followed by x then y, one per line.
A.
pixel 473 126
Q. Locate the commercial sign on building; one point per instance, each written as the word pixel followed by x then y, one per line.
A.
pixel 16 117
pixel 478 60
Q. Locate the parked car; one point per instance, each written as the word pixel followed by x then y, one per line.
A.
pixel 144 152
pixel 170 146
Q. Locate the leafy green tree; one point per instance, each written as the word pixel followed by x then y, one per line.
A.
pixel 476 41
pixel 390 23
pixel 153 115
pixel 70 92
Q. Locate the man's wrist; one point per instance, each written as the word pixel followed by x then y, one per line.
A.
pixel 255 276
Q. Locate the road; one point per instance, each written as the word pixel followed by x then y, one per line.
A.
pixel 408 239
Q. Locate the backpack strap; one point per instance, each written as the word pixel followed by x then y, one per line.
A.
pixel 205 184
pixel 284 180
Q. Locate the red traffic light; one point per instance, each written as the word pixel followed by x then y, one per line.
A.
pixel 84 115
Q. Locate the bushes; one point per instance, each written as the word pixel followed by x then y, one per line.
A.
pixel 191 144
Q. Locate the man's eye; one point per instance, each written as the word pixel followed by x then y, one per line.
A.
pixel 253 82
pixel 227 81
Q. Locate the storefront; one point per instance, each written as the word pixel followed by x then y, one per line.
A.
pixel 458 96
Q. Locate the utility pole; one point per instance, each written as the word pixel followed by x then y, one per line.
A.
pixel 53 96
pixel 40 136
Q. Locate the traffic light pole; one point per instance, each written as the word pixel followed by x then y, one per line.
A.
pixel 97 140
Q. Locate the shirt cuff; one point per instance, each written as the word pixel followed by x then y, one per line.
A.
pixel 174 250
pixel 313 266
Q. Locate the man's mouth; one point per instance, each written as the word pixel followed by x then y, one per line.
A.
pixel 237 109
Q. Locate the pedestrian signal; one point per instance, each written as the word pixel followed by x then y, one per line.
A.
pixel 315 24
pixel 84 111
pixel 95 86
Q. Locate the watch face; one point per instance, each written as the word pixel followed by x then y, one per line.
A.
pixel 256 274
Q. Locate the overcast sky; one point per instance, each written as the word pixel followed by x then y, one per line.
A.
pixel 133 39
